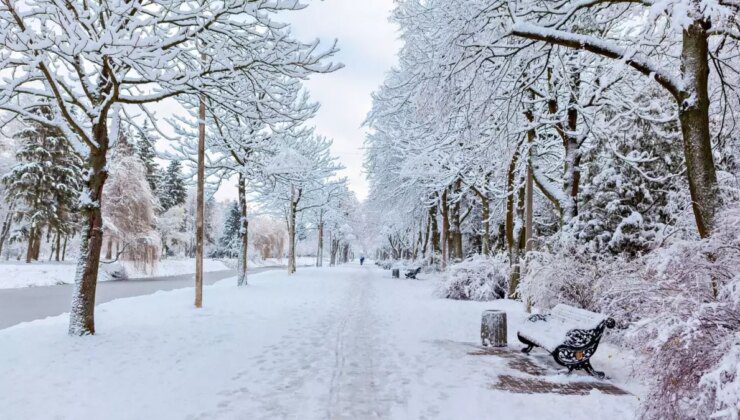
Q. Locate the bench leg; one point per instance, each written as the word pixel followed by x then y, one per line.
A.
pixel 527 349
pixel 591 371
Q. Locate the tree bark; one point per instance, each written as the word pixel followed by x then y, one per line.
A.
pixel 427 234
pixel 29 249
pixel 485 221
pixel 58 245
pixel 200 202
pixel 694 116
pixel 434 232
pixel 7 223
pixel 109 251
pixel 82 314
pixel 37 243
pixel 457 245
pixel 320 250
pixel 243 233
pixel 291 231
pixel 64 248
pixel 445 229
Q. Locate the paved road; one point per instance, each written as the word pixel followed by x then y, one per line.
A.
pixel 30 303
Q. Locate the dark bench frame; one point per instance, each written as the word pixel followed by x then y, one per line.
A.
pixel 411 274
pixel 579 345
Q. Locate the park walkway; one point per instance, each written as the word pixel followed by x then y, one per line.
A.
pixel 332 343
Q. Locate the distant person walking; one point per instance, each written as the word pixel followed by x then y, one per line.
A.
pixel 362 260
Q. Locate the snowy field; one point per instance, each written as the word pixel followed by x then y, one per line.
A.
pixel 344 342
pixel 19 274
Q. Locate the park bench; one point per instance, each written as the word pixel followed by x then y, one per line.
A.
pixel 571 335
pixel 411 274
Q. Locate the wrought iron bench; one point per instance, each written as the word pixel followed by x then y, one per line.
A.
pixel 411 274
pixel 571 335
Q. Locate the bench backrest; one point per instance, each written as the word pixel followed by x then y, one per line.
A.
pixel 579 318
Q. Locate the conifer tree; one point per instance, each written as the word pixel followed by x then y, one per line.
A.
pixel 44 185
pixel 229 240
pixel 145 141
pixel 172 188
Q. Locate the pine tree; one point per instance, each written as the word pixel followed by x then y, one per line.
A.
pixel 172 190
pixel 625 205
pixel 228 242
pixel 45 184
pixel 145 141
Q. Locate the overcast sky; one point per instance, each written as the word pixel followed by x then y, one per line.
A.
pixel 368 44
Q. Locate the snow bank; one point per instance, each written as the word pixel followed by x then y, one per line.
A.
pixel 15 275
pixel 326 343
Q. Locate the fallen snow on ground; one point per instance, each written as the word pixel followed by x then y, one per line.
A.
pixel 17 274
pixel 347 342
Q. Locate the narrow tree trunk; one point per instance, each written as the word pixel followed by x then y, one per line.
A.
pixel 64 248
pixel 333 251
pixel 427 234
pixel 243 233
pixel 5 231
pixel 291 232
pixel 519 244
pixel 200 202
pixel 29 249
pixel 37 243
pixel 486 216
pixel 82 314
pixel 53 247
pixel 320 250
pixel 59 245
pixel 694 116
pixel 529 199
pixel 434 232
pixel 109 251
pixel 445 229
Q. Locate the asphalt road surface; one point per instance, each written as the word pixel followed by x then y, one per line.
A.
pixel 31 303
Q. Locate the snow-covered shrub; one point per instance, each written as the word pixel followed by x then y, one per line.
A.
pixel 567 276
pixel 114 271
pixel 479 277
pixel 685 301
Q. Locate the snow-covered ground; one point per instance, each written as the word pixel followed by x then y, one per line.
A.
pixel 347 342
pixel 19 274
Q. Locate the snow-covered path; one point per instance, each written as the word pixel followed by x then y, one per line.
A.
pixel 334 343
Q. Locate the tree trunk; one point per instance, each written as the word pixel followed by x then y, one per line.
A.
pixel 334 244
pixel 486 216
pixel 529 199
pixel 59 244
pixel 109 251
pixel 694 116
pixel 434 232
pixel 427 234
pixel 5 231
pixel 457 246
pixel 291 232
pixel 29 249
pixel 37 243
pixel 445 229
pixel 200 202
pixel 320 250
pixel 64 248
pixel 243 233
pixel 82 314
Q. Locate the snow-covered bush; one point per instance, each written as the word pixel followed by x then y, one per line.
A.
pixel 478 278
pixel 685 301
pixel 567 276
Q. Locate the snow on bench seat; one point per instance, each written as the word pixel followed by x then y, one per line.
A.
pixel 551 331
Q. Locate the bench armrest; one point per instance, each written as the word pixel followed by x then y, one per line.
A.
pixel 538 317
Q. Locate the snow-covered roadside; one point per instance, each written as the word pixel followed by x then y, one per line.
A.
pixel 345 342
pixel 16 274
